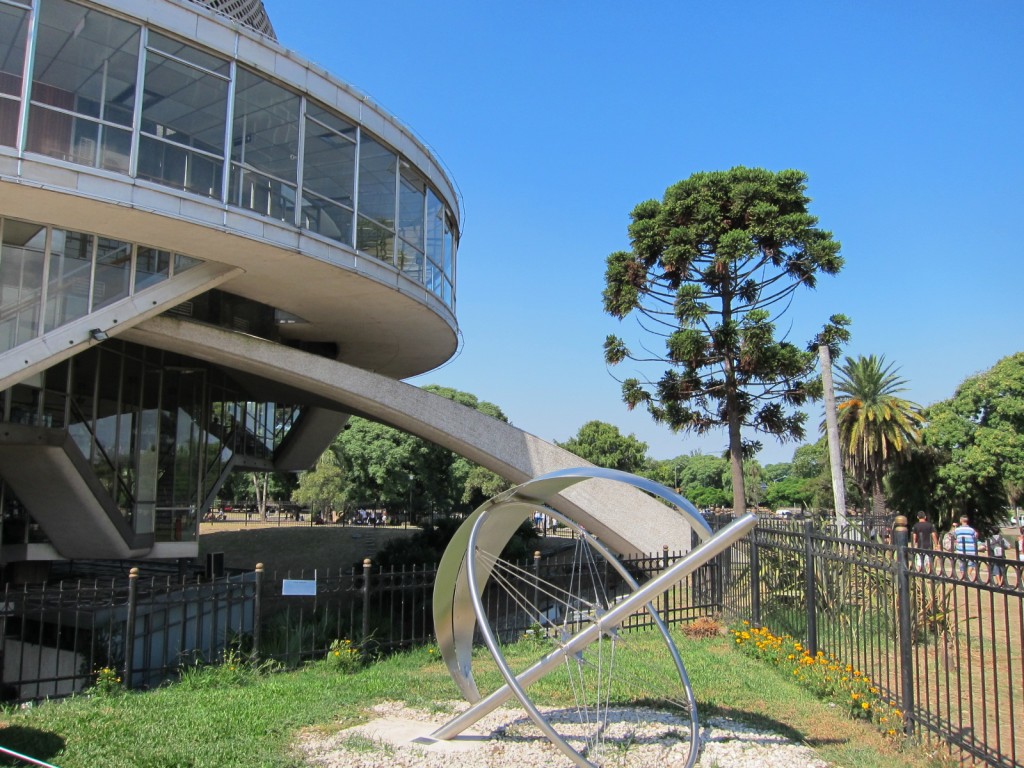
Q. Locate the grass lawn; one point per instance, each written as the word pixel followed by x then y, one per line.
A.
pixel 228 716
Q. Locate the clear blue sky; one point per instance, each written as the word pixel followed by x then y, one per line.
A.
pixel 556 118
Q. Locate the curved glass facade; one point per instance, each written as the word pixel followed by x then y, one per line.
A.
pixel 94 89
pixel 51 276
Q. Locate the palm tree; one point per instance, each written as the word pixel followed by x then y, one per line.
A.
pixel 876 428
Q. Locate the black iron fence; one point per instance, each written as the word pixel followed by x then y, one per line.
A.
pixel 55 639
pixel 387 609
pixel 940 634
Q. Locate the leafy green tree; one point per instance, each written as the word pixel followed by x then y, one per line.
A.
pixel 707 498
pixel 790 491
pixel 258 488
pixel 773 473
pixel 323 487
pixel 603 445
pixel 811 460
pixel 386 467
pixel 712 267
pixel 877 428
pixel 703 470
pixel 972 452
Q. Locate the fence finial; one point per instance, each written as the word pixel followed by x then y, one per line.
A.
pixel 900 522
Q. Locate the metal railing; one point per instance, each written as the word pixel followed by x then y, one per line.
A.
pixel 939 634
pixel 56 638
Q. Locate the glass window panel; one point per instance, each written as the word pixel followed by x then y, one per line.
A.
pixel 22 255
pixel 182 263
pixel 8 121
pixel 112 281
pixel 410 261
pixel 178 167
pixel 13 28
pixel 329 165
pixel 326 218
pixel 88 59
pixel 434 278
pixel 262 194
pixel 265 134
pixel 375 240
pixel 151 267
pixel 377 168
pixel 115 149
pixel 435 228
pixel 449 248
pixel 68 278
pixel 412 196
pixel 192 55
pixel 331 120
pixel 184 104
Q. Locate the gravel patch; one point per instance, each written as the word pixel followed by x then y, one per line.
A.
pixel 506 737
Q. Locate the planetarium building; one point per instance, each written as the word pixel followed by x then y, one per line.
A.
pixel 173 182
pixel 212 254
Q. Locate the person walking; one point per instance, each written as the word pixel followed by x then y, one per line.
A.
pixel 924 536
pixel 1020 557
pixel 996 547
pixel 965 544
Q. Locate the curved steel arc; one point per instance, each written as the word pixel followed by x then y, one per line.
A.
pixel 468 564
pixel 454 621
pixel 647 593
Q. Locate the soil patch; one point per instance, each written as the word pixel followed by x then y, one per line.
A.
pixel 324 548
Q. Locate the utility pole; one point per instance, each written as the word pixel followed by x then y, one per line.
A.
pixel 832 428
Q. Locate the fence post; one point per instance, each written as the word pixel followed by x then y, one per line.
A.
pixel 755 582
pixel 129 626
pixel 366 600
pixel 257 612
pixel 664 597
pixel 811 589
pixel 900 536
pixel 536 585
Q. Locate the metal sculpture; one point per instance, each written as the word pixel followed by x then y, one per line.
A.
pixel 576 619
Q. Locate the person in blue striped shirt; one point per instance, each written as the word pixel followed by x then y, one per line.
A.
pixel 965 543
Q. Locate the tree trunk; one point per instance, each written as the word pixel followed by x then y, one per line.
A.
pixel 739 491
pixel 732 409
pixel 261 491
pixel 878 498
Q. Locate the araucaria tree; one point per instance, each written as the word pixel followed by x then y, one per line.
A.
pixel 712 268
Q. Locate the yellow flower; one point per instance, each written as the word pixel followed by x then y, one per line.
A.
pixel 864 705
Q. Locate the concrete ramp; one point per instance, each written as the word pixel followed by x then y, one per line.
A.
pixel 625 518
pixel 54 480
